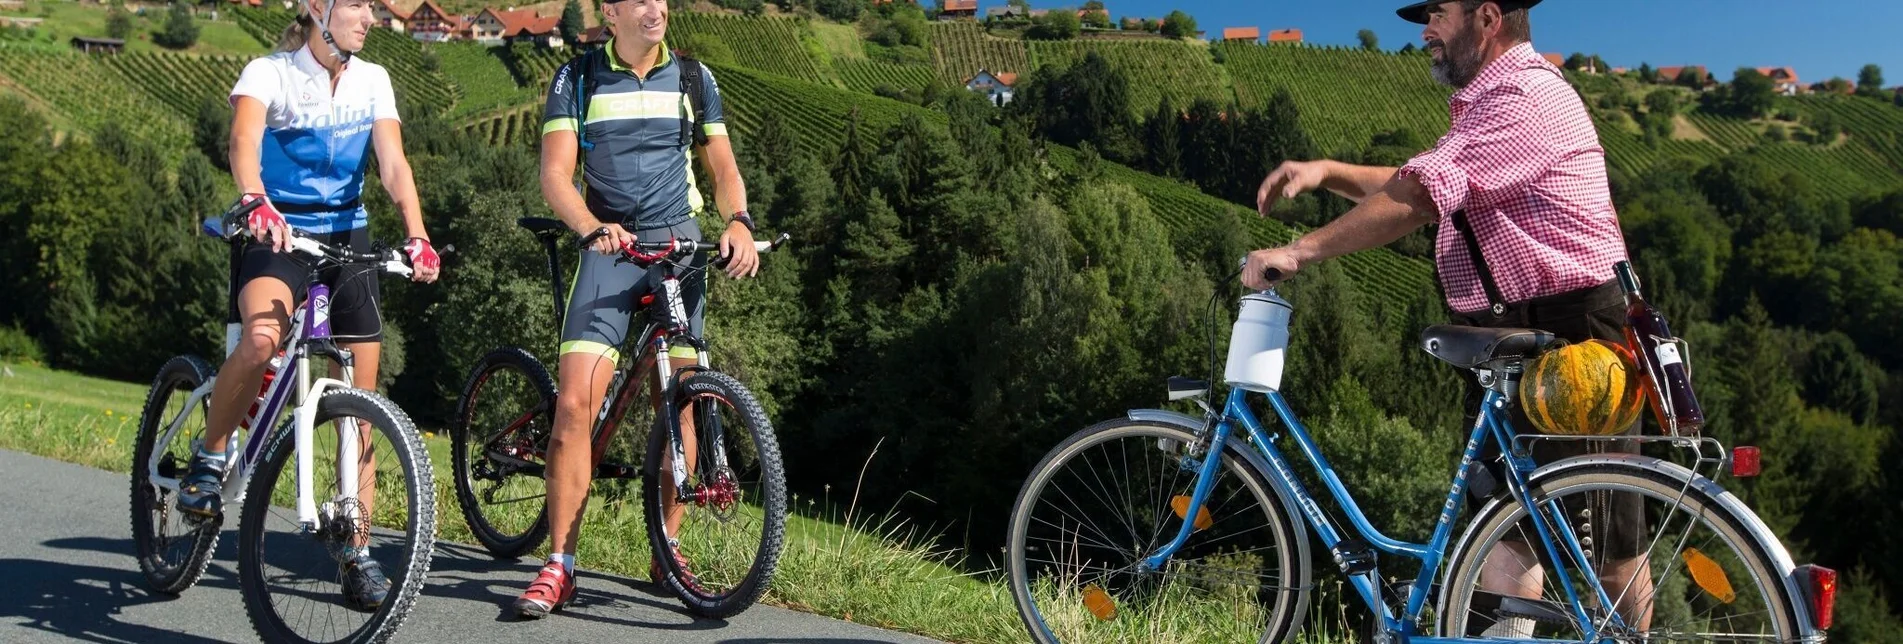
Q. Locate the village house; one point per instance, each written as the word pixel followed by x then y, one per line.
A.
pixel 388 16
pixel 98 45
pixel 430 23
pixel 1671 74
pixel 1250 34
pixel 1784 78
pixel 997 87
pixel 1293 36
pixel 959 9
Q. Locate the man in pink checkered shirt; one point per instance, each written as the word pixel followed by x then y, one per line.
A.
pixel 1527 237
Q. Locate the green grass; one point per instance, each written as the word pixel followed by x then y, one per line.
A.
pixel 64 20
pixel 878 572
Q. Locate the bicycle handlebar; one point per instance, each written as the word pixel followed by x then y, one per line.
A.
pixel 644 253
pixel 232 227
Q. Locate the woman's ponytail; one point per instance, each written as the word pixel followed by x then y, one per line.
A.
pixel 296 33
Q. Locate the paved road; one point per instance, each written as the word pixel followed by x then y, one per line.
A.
pixel 67 573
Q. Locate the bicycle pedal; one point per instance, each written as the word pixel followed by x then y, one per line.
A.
pixel 1354 556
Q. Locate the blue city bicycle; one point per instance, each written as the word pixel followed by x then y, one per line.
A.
pixel 1134 530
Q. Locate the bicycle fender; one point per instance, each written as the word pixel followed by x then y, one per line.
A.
pixel 1754 528
pixel 1290 510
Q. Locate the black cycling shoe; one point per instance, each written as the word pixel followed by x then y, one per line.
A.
pixel 365 587
pixel 201 494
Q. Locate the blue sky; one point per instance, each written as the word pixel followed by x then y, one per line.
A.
pixel 1819 38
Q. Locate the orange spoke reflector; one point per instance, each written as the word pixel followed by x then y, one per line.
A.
pixel 1099 603
pixel 1181 505
pixel 1708 575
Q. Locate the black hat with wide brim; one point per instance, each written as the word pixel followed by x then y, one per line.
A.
pixel 1417 12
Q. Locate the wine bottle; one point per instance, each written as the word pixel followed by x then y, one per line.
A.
pixel 1667 381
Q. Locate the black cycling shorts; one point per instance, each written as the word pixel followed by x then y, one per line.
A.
pixel 355 315
pixel 604 296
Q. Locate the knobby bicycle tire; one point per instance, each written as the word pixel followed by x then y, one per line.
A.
pixel 772 499
pixel 419 535
pixel 179 376
pixel 496 540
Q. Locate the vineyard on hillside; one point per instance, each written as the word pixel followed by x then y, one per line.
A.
pixel 534 66
pixel 960 49
pixel 1871 122
pixel 479 70
pixel 1184 71
pixel 770 45
pixel 862 75
pixel 91 94
pixel 815 115
pixel 1345 96
pixel 510 126
pixel 181 81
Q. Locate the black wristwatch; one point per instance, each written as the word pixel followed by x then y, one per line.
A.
pixel 744 219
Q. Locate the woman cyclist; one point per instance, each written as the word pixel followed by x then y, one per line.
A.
pixel 303 120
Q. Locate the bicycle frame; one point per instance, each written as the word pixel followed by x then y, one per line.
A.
pixel 1492 424
pixel 310 326
pixel 658 337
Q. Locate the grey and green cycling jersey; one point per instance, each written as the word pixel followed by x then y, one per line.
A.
pixel 638 174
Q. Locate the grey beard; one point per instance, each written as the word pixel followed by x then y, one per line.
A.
pixel 1455 70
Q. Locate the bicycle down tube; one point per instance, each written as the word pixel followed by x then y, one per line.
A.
pixel 1489 425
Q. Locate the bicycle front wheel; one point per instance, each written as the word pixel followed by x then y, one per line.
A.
pixel 733 523
pixel 1679 565
pixel 173 550
pixel 1117 492
pixel 294 579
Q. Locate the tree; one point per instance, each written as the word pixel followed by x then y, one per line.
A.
pixel 1870 80
pixel 118 22
pixel 1408 48
pixel 572 23
pixel 1647 73
pixel 1578 62
pixel 1055 25
pixel 1751 93
pixel 1692 77
pixel 1162 140
pixel 1839 378
pixel 180 32
pixel 1369 41
pixel 1826 127
pixel 1179 25
pixel 1095 16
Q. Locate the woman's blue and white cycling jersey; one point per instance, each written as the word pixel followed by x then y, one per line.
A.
pixel 316 144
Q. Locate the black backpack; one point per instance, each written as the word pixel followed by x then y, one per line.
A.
pixel 691 84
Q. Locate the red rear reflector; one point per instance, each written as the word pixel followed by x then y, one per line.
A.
pixel 1823 592
pixel 1744 461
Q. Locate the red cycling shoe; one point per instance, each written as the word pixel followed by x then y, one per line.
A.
pixel 552 589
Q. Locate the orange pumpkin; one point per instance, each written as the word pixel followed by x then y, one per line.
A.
pixel 1590 388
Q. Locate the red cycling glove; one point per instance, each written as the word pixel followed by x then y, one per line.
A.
pixel 422 254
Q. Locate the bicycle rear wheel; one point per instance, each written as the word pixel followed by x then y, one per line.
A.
pixel 1705 578
pixel 292 578
pixel 500 439
pixel 734 525
pixel 1109 496
pixel 172 550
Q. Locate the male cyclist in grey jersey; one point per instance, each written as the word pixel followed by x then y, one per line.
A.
pixel 640 185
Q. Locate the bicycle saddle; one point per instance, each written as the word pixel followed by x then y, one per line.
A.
pixel 1468 347
pixel 541 225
